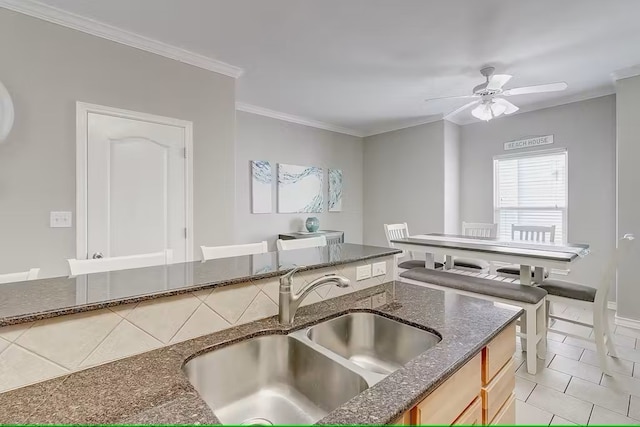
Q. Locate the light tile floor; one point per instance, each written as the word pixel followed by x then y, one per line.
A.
pixel 569 387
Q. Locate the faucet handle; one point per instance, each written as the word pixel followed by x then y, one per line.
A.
pixel 286 278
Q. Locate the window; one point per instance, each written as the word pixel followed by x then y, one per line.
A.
pixel 531 189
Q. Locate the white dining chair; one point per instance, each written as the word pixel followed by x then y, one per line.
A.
pixel 216 252
pixel 479 229
pixel 400 231
pixel 476 229
pixel 591 298
pixel 528 233
pixel 100 265
pixel 309 242
pixel 22 276
pixel 533 233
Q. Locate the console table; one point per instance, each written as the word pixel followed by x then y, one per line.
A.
pixel 332 236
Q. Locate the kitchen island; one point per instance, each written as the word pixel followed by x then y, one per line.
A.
pixel 473 358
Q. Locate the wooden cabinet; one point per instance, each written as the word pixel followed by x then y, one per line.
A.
pixel 498 352
pixel 481 392
pixel 472 416
pixel 448 401
pixel 507 415
pixel 497 392
pixel 404 420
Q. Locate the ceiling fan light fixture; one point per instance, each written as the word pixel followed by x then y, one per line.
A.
pixel 497 109
pixel 488 110
pixel 482 112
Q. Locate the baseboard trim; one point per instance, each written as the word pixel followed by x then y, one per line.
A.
pixel 627 323
pixel 612 305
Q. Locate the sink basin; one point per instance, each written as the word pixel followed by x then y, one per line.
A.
pixel 375 343
pixel 273 379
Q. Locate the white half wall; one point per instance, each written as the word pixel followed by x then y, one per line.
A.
pixel 277 141
pixel 587 130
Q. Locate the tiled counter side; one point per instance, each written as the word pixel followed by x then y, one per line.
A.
pixel 49 348
pixel 151 388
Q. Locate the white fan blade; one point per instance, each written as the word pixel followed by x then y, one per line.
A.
pixel 451 97
pixel 464 107
pixel 510 107
pixel 497 81
pixel 551 87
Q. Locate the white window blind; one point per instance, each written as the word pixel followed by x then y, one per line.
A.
pixel 531 189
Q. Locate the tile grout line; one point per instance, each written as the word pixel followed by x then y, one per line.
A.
pixel 245 309
pixel 189 317
pixel 122 357
pixel 531 392
pixel 567 386
pixel 64 368
pixel 593 406
pixel 111 309
pixel 8 345
pixel 102 340
pixel 31 325
pixel 144 332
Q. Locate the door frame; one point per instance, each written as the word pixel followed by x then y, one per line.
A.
pixel 82 140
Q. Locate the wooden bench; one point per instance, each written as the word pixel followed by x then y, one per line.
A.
pixel 531 299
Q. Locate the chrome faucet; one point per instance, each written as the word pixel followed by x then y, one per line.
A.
pixel 289 302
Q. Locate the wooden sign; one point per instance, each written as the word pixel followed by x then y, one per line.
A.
pixel 529 142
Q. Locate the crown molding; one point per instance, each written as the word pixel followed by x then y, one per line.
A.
pixel 254 109
pixel 625 73
pixel 90 26
pixel 407 124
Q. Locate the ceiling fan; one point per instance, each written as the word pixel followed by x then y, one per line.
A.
pixel 490 102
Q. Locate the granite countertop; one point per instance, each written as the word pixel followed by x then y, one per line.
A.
pixel 22 302
pixel 151 388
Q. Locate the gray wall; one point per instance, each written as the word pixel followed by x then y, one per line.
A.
pixel 403 178
pixel 587 130
pixel 263 138
pixel 47 68
pixel 628 210
pixel 452 135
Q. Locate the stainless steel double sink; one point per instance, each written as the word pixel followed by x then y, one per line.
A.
pixel 301 377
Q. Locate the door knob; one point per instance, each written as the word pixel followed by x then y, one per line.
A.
pixel 98 255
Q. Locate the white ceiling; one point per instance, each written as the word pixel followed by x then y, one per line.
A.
pixel 368 65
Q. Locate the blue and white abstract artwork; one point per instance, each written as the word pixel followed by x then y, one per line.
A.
pixel 299 189
pixel 261 178
pixel 335 190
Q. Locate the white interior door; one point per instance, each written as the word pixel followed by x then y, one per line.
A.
pixel 137 197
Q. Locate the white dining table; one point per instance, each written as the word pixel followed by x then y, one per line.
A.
pixel 531 256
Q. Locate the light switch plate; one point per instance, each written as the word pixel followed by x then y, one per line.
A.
pixel 60 219
pixel 379 269
pixel 363 272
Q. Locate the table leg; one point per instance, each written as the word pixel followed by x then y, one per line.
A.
pixel 448 262
pixel 538 274
pixel 541 327
pixel 429 261
pixel 525 274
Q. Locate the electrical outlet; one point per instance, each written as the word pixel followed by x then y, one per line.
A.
pixel 379 269
pixel 363 272
pixel 60 219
